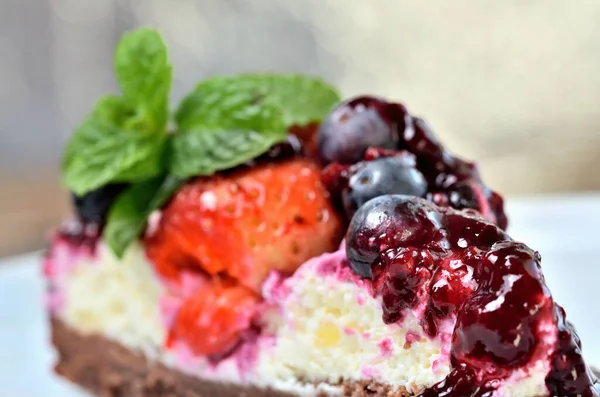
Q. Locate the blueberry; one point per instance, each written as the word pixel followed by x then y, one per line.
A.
pixel 387 175
pixel 390 221
pixel 357 124
pixel 93 206
pixel 289 148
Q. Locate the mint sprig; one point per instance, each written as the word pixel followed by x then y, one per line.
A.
pixel 123 138
pixel 220 127
pixel 130 212
pixel 144 74
pixel 224 122
pixel 229 120
pixel 301 99
pixel 110 146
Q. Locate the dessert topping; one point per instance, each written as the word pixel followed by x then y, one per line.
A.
pixel 463 267
pixel 211 320
pixel 385 175
pixel 273 216
pixel 383 224
pixel 240 226
pixel 223 123
pixel 357 125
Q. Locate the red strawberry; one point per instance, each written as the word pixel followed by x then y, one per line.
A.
pixel 247 223
pixel 210 321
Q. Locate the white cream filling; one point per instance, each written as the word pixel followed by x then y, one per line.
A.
pixel 115 298
pixel 531 383
pixel 331 330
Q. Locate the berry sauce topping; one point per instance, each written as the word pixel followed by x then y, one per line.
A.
pixel 79 234
pixel 420 166
pixel 457 266
pixel 355 125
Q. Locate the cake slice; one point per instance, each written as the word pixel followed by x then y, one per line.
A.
pixel 273 240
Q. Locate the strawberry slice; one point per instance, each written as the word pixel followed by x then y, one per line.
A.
pixel 246 223
pixel 211 320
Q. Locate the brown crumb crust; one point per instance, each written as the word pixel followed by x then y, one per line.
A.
pixel 108 369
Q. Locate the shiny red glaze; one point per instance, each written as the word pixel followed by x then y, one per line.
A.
pixel 465 268
pixel 451 181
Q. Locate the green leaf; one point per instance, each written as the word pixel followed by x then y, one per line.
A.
pixel 206 151
pixel 113 109
pixel 129 214
pixel 302 99
pixel 103 151
pixel 221 127
pixel 144 74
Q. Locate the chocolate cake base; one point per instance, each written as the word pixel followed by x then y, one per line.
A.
pixel 109 369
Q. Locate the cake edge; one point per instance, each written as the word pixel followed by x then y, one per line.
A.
pixel 108 369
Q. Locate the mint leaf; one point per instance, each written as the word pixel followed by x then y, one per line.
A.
pixel 130 212
pixel 206 151
pixel 221 127
pixel 113 109
pixel 104 149
pixel 228 120
pixel 144 74
pixel 302 99
pixel 124 138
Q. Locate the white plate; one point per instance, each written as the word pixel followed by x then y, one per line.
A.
pixel 25 356
pixel 563 229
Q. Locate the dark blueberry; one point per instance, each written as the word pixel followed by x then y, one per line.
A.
pixel 367 128
pixel 93 206
pixel 386 175
pixel 390 221
pixel 355 125
pixel 289 148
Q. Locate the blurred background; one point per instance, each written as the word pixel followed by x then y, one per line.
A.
pixel 513 84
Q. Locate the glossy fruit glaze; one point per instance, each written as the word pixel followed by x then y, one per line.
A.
pixel 368 122
pixel 459 266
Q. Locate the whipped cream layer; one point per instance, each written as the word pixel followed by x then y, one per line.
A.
pixel 327 326
pixel 320 326
pixel 98 293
